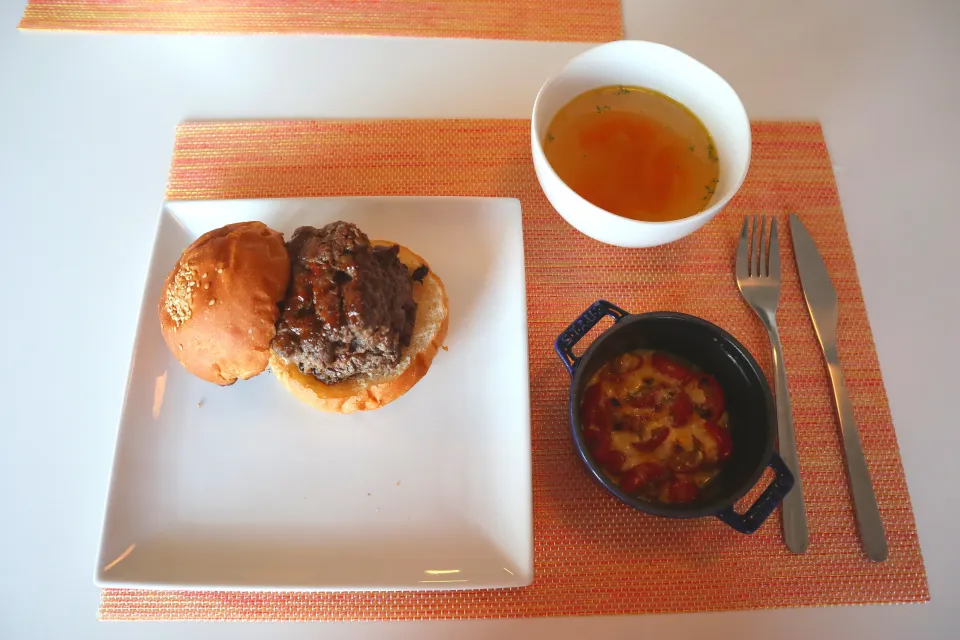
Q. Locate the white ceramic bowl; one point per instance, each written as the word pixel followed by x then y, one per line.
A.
pixel 658 67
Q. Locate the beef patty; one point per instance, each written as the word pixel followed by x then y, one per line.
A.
pixel 349 307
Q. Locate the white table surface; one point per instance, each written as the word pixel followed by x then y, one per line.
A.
pixel 86 133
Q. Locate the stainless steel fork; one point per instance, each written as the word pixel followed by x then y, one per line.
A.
pixel 758 278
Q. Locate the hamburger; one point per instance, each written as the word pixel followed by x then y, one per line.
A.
pixel 361 321
pixel 344 323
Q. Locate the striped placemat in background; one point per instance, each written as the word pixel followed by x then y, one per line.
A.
pixel 594 555
pixel 560 20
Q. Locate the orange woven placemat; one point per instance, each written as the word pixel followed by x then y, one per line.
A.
pixel 564 20
pixel 594 555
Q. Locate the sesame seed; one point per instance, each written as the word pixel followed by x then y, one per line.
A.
pixel 179 296
pixel 203 275
pixel 219 270
pixel 212 302
pixel 181 347
pixel 206 285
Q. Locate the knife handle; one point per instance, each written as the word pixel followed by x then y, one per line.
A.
pixel 795 532
pixel 864 500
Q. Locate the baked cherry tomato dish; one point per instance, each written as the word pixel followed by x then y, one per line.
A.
pixel 656 425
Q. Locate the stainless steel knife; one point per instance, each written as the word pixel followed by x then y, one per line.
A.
pixel 824 310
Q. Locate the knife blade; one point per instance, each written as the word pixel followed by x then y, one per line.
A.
pixel 824 308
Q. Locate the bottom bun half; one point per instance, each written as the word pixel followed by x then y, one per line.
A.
pixel 364 392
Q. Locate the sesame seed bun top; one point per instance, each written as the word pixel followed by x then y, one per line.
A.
pixel 218 307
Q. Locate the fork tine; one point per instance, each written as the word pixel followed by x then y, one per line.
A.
pixel 761 254
pixel 753 244
pixel 743 264
pixel 774 250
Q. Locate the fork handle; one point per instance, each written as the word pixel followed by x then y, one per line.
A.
pixel 864 500
pixel 795 531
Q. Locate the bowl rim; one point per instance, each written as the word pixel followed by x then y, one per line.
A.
pixel 708 213
pixel 660 509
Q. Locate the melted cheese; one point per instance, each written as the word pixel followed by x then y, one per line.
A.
pixel 646 379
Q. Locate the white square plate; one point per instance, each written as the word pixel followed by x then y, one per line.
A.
pixel 246 488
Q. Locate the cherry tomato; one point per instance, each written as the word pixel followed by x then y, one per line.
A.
pixel 626 363
pixel 682 490
pixel 686 461
pixel 613 462
pixel 609 377
pixel 603 419
pixel 590 404
pixel 599 440
pixel 653 471
pixel 642 475
pixel 646 400
pixel 681 409
pixel 715 401
pixel 722 437
pixel 630 481
pixel 592 436
pixel 592 410
pixel 654 439
pixel 669 367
